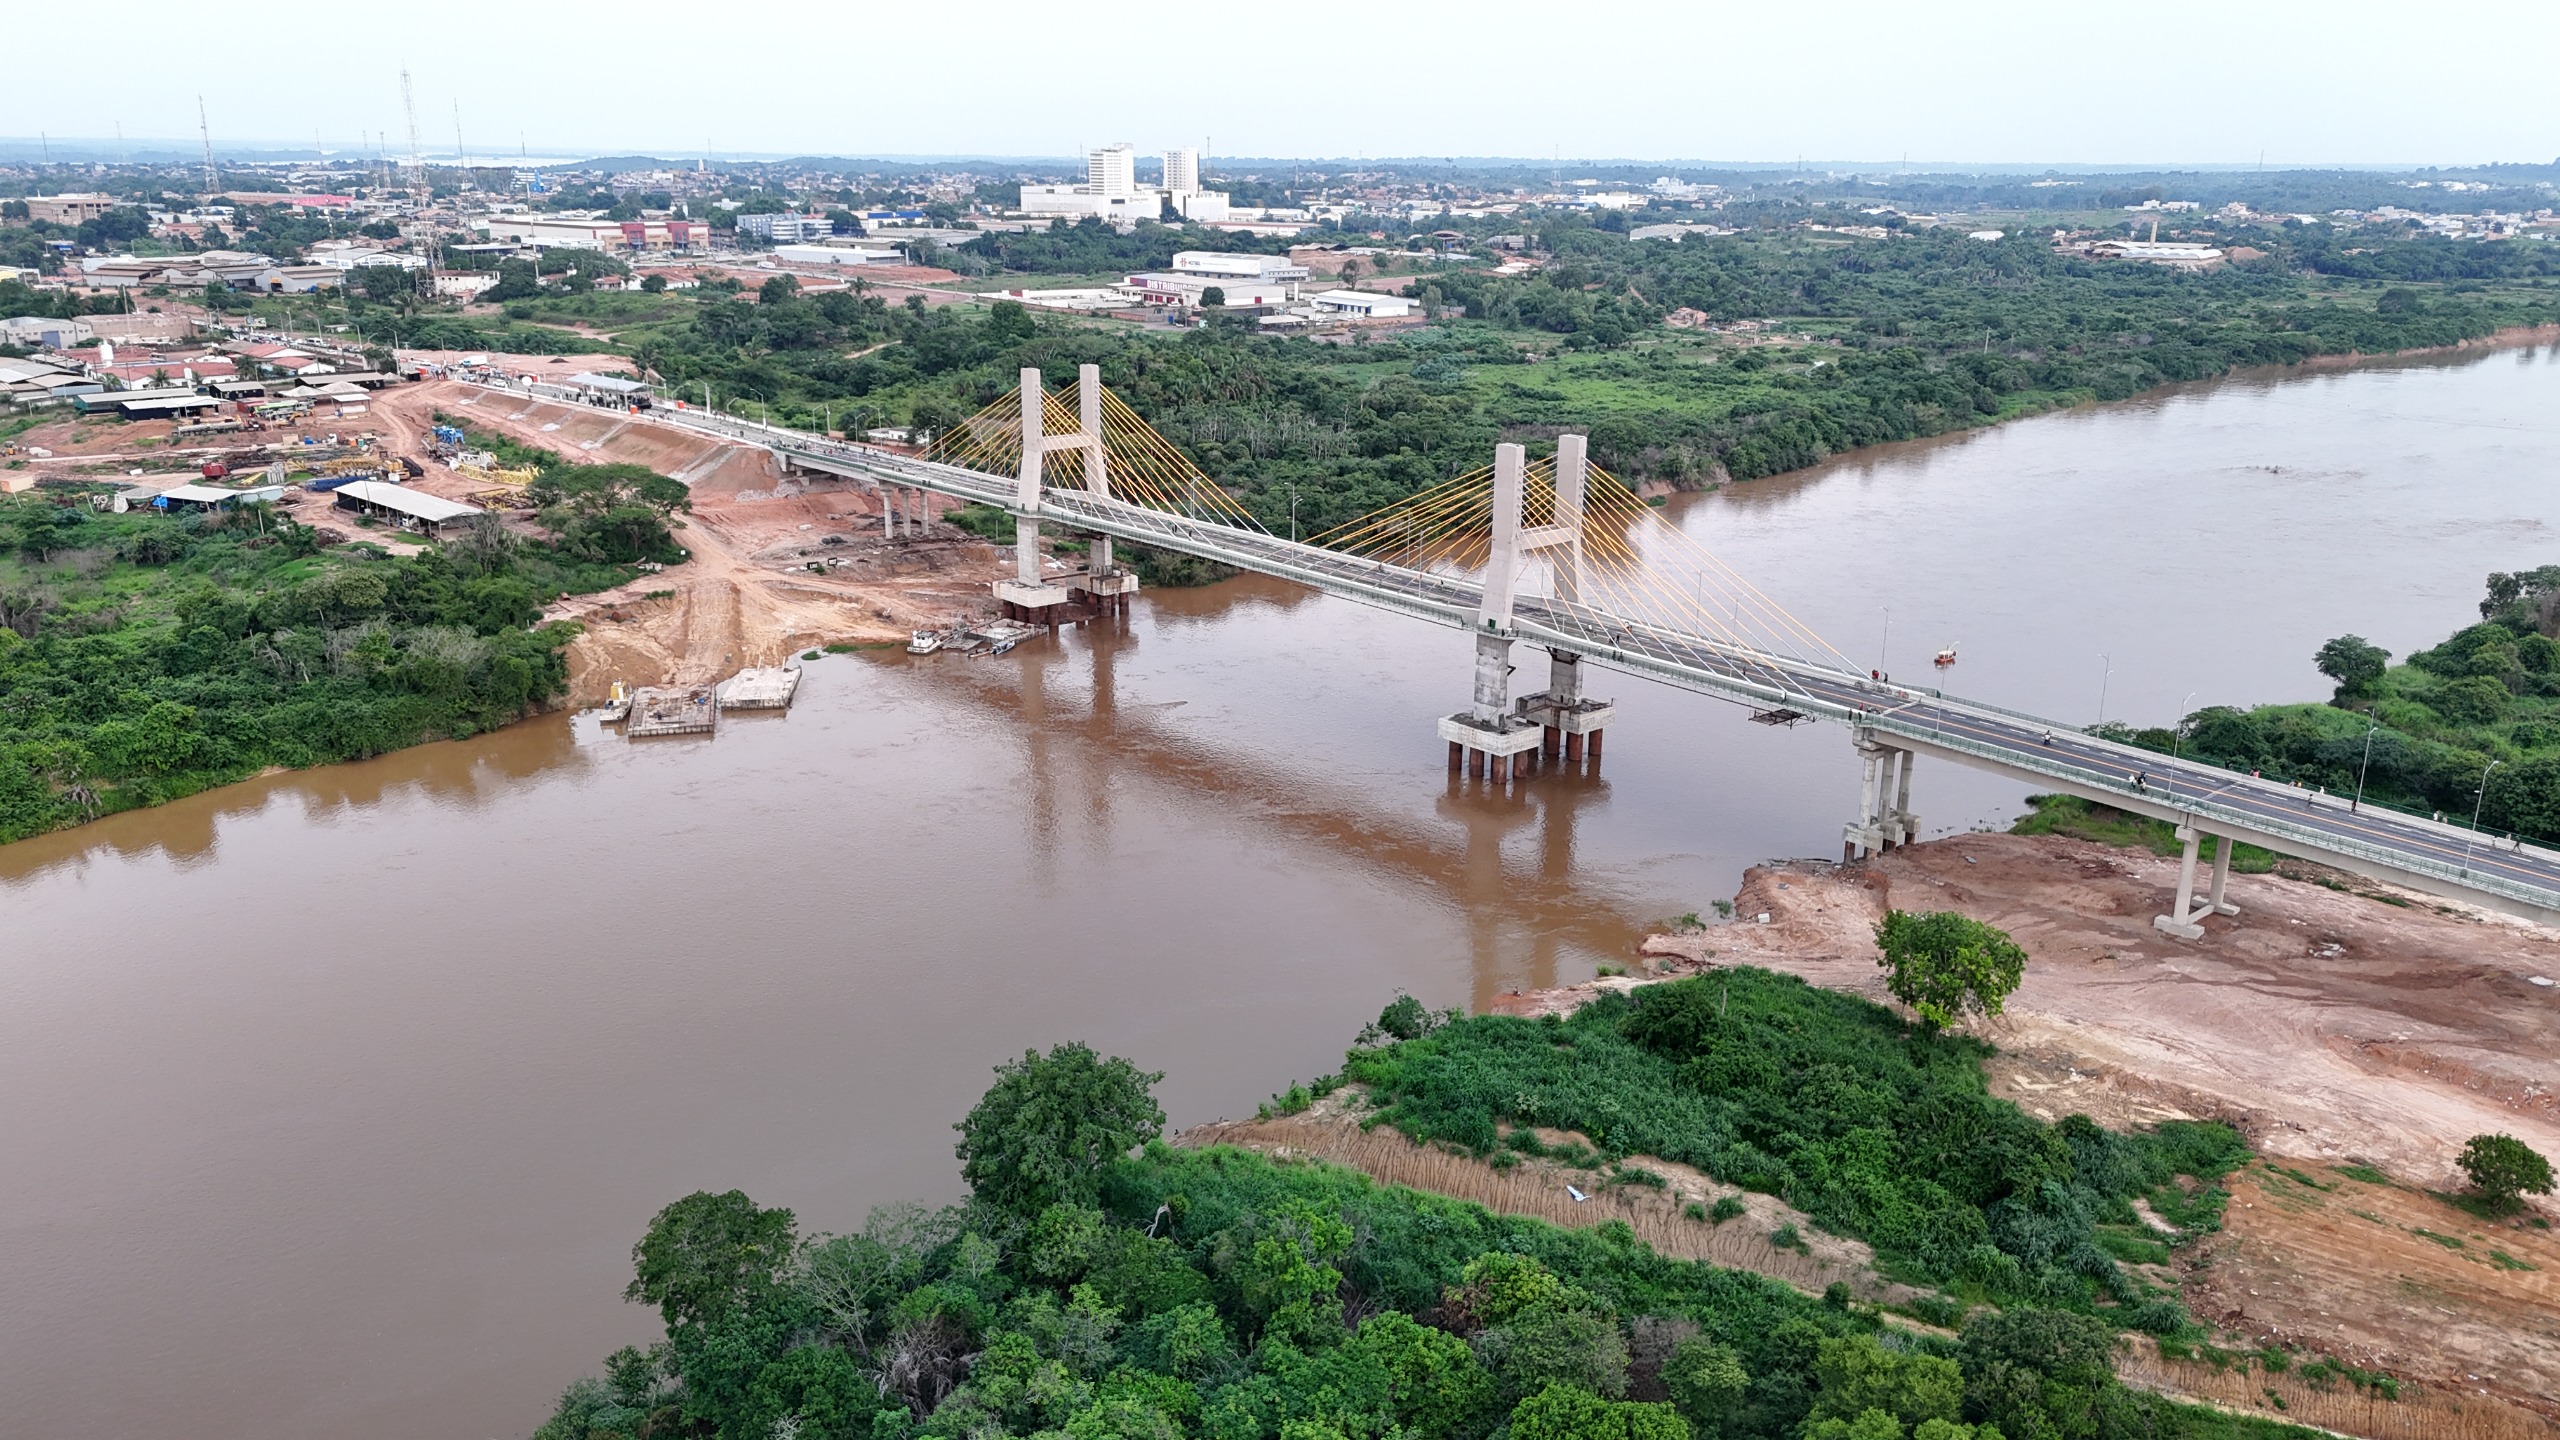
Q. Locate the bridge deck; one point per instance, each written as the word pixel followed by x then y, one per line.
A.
pixel 2384 845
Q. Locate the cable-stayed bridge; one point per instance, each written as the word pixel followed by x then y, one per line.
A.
pixel 1558 554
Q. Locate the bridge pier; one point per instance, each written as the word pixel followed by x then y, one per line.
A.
pixel 1102 587
pixel 1489 728
pixel 2182 919
pixel 1884 799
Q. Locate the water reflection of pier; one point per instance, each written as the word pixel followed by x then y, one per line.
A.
pixel 1503 858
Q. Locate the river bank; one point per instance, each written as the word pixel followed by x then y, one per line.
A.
pixel 2356 1034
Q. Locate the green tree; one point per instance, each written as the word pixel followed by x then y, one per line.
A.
pixel 1943 964
pixel 2503 1170
pixel 2471 700
pixel 2353 661
pixel 517 280
pixel 654 284
pixel 1706 1381
pixel 1568 1412
pixel 1214 295
pixel 707 1255
pixel 1009 322
pixel 1858 1375
pixel 1044 1131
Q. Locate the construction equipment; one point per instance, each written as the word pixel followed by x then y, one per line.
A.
pixel 200 429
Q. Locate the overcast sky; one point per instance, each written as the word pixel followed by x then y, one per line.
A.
pixel 1991 81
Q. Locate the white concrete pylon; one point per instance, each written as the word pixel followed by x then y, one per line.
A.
pixel 1502 560
pixel 1026 530
pixel 1572 476
pixel 1097 475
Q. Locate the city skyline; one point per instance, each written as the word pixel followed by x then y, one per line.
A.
pixel 2013 85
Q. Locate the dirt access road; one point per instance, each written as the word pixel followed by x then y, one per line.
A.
pixel 747 596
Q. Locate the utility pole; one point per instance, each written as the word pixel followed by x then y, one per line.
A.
pixel 204 129
pixel 460 155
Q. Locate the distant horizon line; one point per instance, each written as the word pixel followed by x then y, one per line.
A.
pixel 89 150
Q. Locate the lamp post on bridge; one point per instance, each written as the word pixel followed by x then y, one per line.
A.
pixel 2174 737
pixel 2481 800
pixel 2108 675
pixel 1885 646
pixel 2356 805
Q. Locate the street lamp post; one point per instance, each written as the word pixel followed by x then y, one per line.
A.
pixel 2180 724
pixel 1885 645
pixel 2358 803
pixel 2482 799
pixel 2108 675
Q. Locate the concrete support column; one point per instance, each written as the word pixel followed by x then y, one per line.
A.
pixel 1596 737
pixel 2180 921
pixel 1026 550
pixel 1904 820
pixel 2222 847
pixel 1550 740
pixel 1871 763
pixel 1572 749
pixel 1457 756
pixel 1493 677
pixel 1564 676
pixel 1475 764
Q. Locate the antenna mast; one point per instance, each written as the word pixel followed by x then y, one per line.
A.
pixel 204 128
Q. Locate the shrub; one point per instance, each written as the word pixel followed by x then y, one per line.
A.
pixel 1728 1208
pixel 2503 1170
pixel 1944 964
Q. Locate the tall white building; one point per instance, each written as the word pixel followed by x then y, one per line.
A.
pixel 1110 191
pixel 1182 187
pixel 1112 170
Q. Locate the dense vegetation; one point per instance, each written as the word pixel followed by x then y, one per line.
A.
pixel 1085 1293
pixel 2422 734
pixel 1875 1127
pixel 147 656
pixel 1914 336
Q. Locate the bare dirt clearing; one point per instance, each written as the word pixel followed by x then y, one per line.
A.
pixel 747 596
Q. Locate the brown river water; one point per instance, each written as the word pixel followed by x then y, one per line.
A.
pixel 334 1101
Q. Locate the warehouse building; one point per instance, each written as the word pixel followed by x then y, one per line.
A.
pixel 409 509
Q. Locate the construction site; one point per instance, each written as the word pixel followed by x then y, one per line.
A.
pixel 779 562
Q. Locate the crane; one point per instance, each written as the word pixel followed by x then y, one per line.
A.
pixel 212 181
pixel 417 162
